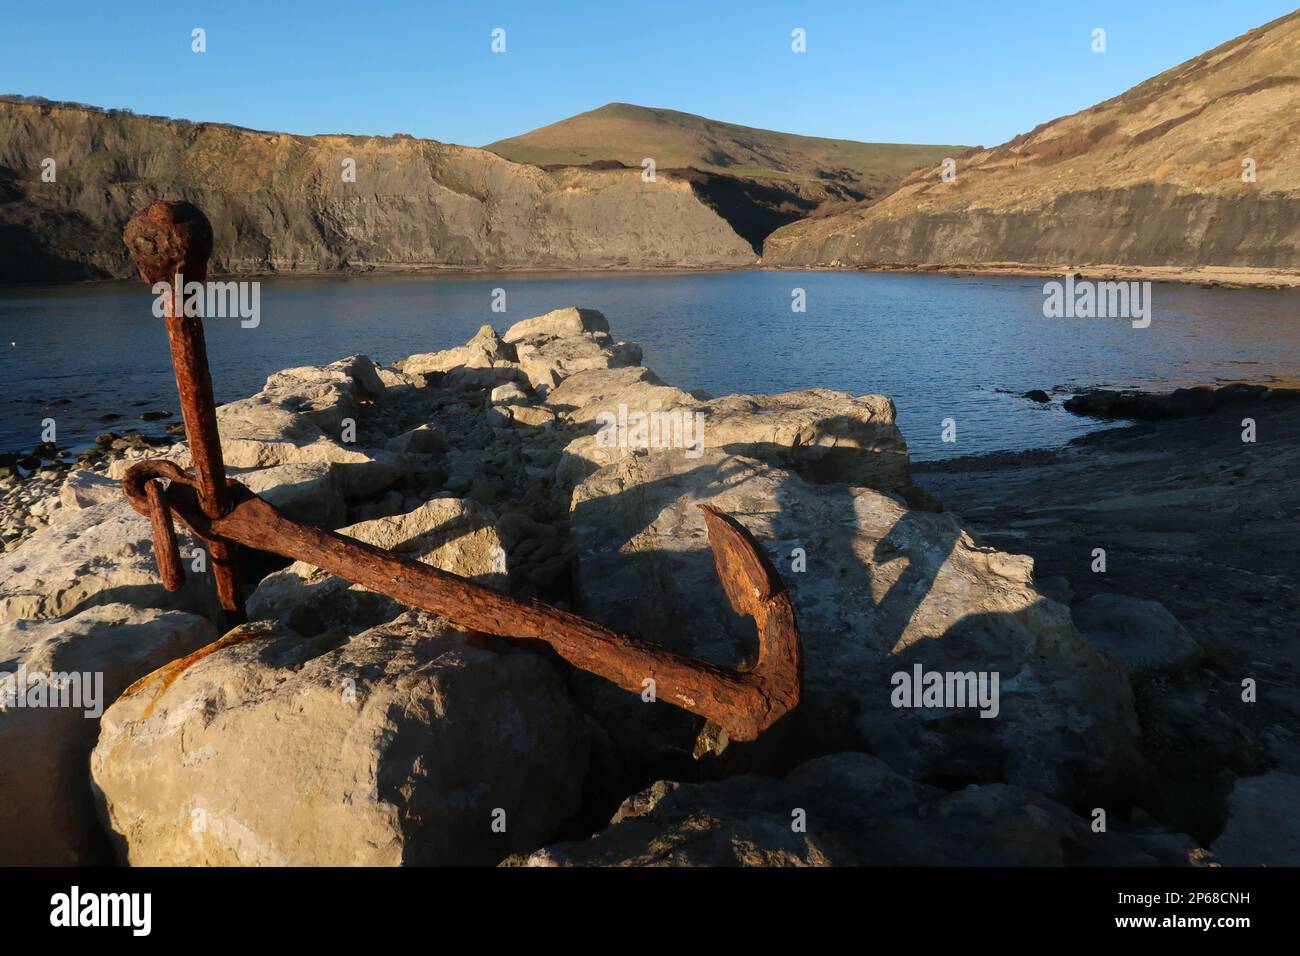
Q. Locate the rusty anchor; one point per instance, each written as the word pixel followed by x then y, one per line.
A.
pixel 171 243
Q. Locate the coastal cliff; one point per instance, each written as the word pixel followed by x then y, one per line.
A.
pixel 281 202
pixel 1199 166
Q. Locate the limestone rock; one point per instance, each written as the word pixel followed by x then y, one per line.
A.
pixel 846 809
pixel 484 350
pixel 178 453
pixel 356 373
pixel 395 380
pixel 824 435
pixel 548 363
pixel 558 323
pixel 99 555
pixel 304 491
pixel 552 347
pixel 583 395
pixel 509 394
pixel 1263 828
pixel 47 815
pixel 878 590
pixel 447 533
pixel 300 417
pixel 83 489
pixel 1142 635
pixel 402 745
pixel 423 440
pixel 528 416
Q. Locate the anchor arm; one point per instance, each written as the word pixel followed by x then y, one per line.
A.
pixel 744 703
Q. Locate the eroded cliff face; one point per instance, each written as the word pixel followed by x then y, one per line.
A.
pixel 280 203
pixel 1199 166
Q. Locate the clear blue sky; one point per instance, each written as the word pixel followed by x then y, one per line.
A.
pixel 933 72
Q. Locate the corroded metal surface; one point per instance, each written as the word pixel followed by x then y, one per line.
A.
pixel 171 243
pixel 165 553
pixel 225 514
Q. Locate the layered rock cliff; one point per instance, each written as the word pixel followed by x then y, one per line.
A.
pixel 280 203
pixel 1199 166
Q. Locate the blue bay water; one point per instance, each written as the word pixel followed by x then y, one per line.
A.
pixel 941 347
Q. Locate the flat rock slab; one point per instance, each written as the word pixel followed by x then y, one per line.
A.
pixel 84 488
pixel 98 555
pixel 825 436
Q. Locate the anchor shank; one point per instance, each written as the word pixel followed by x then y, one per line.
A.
pixel 198 409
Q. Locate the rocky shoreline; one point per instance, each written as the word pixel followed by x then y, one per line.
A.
pixel 1207 277
pixel 338 727
pixel 1195 518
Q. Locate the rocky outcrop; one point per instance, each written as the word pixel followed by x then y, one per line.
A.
pixel 309 415
pixel 558 324
pixel 282 203
pixel 851 810
pixel 879 591
pixel 339 727
pixel 1186 169
pixel 404 744
pixel 552 347
pixel 825 436
pixel 1180 403
pixel 1262 828
pixel 1144 637
pixel 47 816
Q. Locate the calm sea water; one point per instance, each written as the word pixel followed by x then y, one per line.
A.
pixel 941 347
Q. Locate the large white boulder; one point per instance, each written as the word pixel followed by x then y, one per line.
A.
pixel 559 323
pixel 47 815
pixel 405 744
